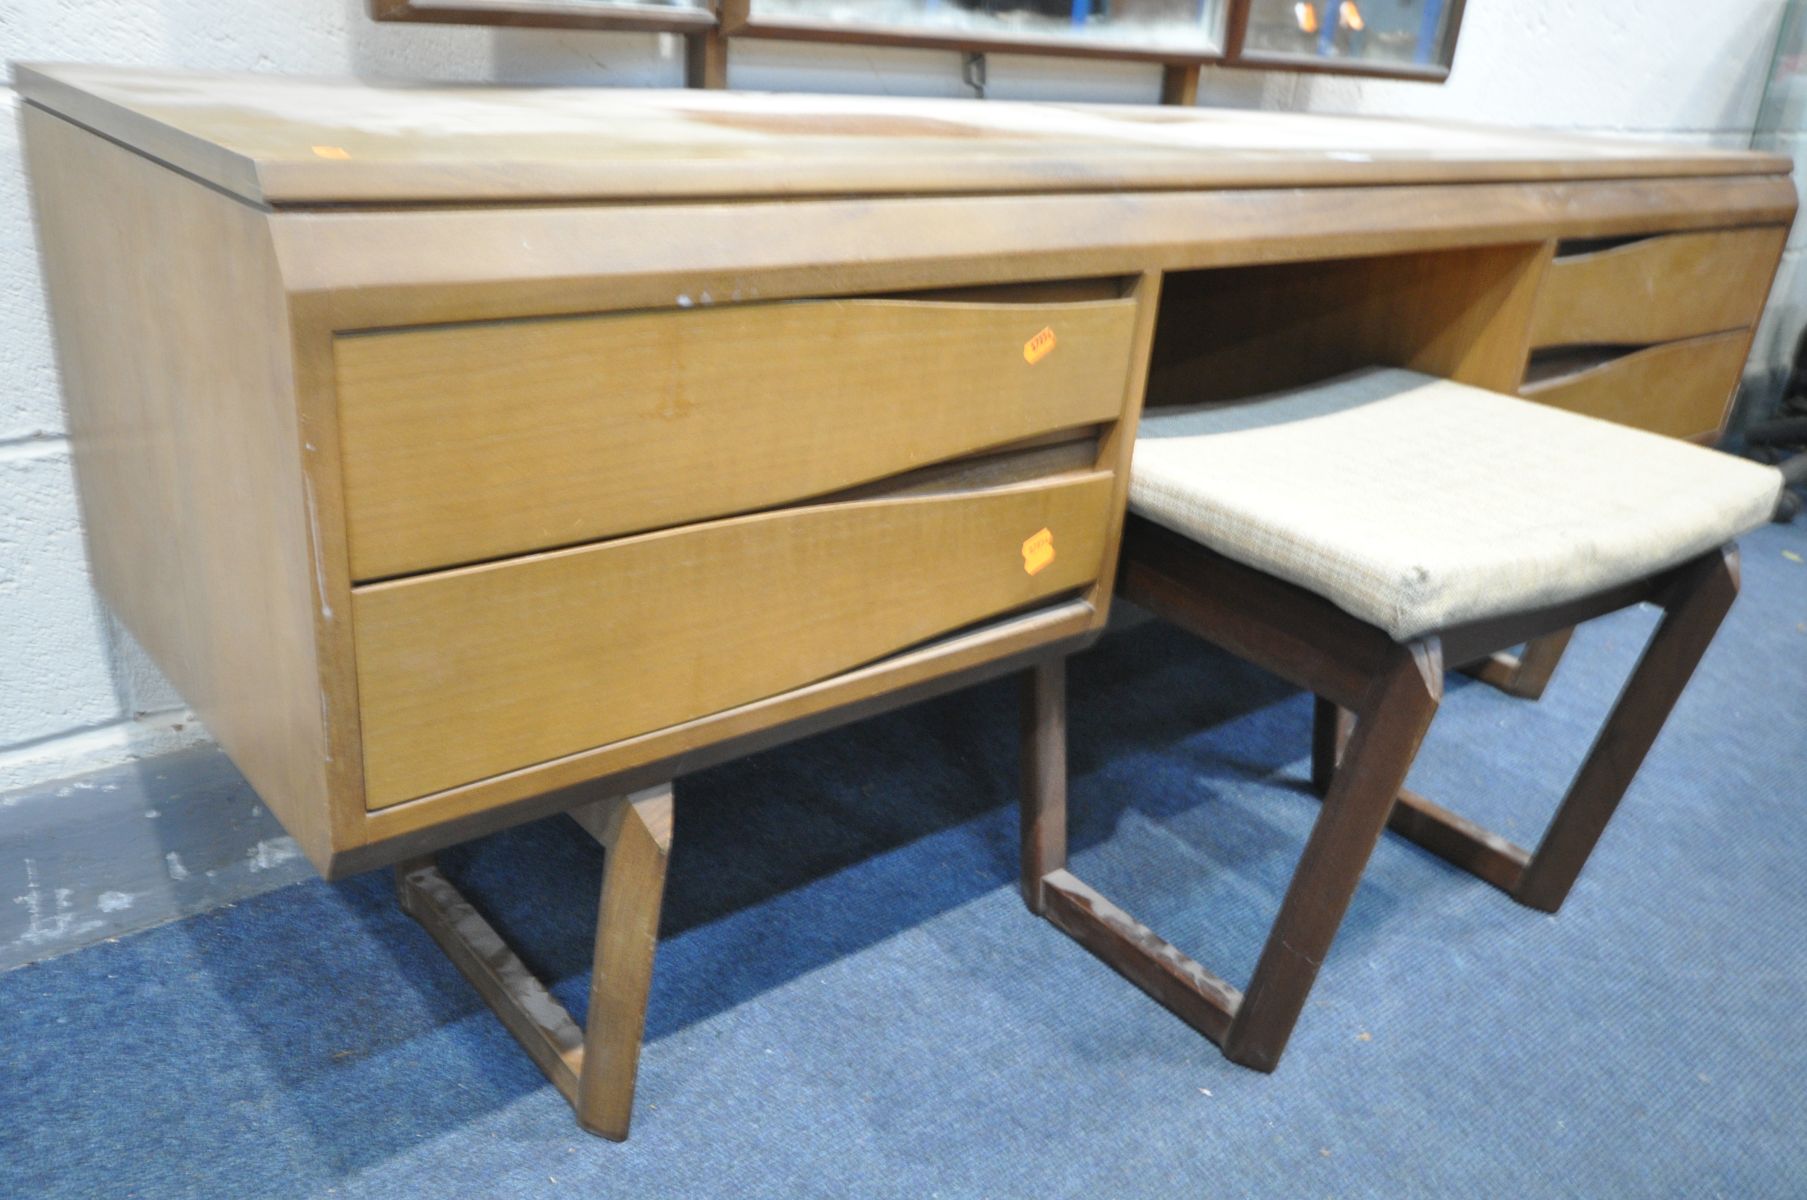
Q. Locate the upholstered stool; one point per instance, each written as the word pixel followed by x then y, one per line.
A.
pixel 1357 537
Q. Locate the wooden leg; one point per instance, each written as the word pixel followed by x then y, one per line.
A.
pixel 1251 1027
pixel 521 1002
pixel 1389 727
pixel 1524 675
pixel 598 817
pixel 1693 615
pixel 595 1068
pixel 1330 726
pixel 1448 835
pixel 1542 879
pixel 1138 953
pixel 627 930
pixel 1044 780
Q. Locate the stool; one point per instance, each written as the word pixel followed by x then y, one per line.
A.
pixel 1355 538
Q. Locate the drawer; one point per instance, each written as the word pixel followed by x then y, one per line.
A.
pixel 473 442
pixel 1680 389
pixel 1657 289
pixel 472 672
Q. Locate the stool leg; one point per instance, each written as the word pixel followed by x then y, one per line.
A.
pixel 594 1067
pixel 1698 605
pixel 1525 675
pixel 1251 1028
pixel 1330 724
pixel 1389 726
pixel 638 841
pixel 1044 778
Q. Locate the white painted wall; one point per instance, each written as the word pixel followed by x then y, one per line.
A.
pixel 76 694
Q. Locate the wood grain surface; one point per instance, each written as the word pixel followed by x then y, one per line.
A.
pixel 472 442
pixel 172 342
pixel 485 670
pixel 293 141
pixel 1678 388
pixel 1658 289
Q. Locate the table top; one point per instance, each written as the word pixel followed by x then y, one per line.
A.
pixel 286 141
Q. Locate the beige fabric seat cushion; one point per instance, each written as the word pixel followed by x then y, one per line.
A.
pixel 1416 503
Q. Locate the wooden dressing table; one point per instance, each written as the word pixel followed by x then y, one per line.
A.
pixel 465 455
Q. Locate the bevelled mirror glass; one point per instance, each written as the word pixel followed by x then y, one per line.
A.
pixel 1394 34
pixel 1158 29
pixel 661 16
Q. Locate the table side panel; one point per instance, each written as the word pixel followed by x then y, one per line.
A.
pixel 173 342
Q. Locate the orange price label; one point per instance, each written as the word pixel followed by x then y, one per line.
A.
pixel 1039 346
pixel 1038 551
pixel 339 152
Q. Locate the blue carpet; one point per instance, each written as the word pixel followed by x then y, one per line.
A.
pixel 851 1001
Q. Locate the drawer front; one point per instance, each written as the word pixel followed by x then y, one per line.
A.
pixel 1680 389
pixel 473 672
pixel 467 443
pixel 1657 289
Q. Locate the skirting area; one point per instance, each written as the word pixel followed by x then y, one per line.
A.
pixel 850 999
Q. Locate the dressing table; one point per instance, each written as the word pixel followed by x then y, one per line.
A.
pixel 465 455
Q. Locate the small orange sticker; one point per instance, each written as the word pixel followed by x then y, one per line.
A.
pixel 1038 551
pixel 1039 346
pixel 332 152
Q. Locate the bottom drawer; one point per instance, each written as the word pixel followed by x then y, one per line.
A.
pixel 473 672
pixel 1679 388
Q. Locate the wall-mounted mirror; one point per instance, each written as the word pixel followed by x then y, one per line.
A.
pixel 643 16
pixel 1162 30
pixel 1399 36
pixel 1408 39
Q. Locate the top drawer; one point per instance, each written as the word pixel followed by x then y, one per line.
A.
pixel 1657 289
pixel 470 442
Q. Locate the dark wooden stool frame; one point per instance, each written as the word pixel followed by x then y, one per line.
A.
pixel 1376 698
pixel 1527 673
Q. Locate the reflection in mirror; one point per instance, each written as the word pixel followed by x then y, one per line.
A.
pixel 1384 32
pixel 1181 27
